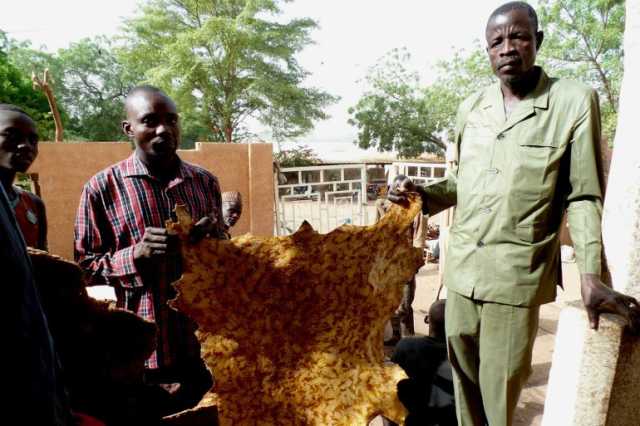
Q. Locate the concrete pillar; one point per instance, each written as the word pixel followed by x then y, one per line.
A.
pixel 595 376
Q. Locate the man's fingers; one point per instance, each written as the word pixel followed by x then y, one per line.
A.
pixel 157 246
pixel 634 322
pixel 594 318
pixel 397 198
pixel 631 301
pixel 153 238
pixel 204 221
pixel 155 230
pixel 200 229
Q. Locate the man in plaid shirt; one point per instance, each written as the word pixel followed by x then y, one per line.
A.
pixel 120 238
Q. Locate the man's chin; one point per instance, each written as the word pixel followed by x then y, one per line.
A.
pixel 21 166
pixel 511 79
pixel 163 155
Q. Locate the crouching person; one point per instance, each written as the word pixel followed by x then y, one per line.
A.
pixel 428 392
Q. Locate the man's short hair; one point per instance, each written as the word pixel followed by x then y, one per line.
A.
pixel 147 89
pixel 517 5
pixel 13 108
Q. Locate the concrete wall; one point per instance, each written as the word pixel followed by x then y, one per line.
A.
pixel 63 169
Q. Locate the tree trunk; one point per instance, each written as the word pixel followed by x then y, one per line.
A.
pixel 228 132
pixel 46 88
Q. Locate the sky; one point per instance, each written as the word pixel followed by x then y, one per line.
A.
pixel 352 36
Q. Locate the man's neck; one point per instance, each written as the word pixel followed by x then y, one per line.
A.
pixel 163 170
pixel 514 92
pixel 517 90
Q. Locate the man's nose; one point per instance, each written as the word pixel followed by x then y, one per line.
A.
pixel 507 47
pixel 161 128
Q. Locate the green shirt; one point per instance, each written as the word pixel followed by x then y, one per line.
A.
pixel 515 178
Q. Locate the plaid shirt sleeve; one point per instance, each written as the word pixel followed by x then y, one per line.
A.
pixel 94 248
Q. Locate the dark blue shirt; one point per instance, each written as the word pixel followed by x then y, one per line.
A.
pixel 35 390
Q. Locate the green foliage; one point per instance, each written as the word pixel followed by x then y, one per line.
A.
pixel 458 78
pixel 299 157
pixel 224 62
pixel 583 41
pixel 16 88
pixel 396 113
pixel 89 82
pixel 392 114
pixel 95 84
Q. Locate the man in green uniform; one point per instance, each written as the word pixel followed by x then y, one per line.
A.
pixel 528 152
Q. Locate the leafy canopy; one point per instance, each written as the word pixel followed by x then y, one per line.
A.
pixel 225 62
pixel 583 41
pixel 89 83
pixel 300 156
pixel 16 88
pixel 397 113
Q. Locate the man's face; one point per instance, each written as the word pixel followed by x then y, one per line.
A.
pixel 18 141
pixel 152 123
pixel 512 45
pixel 231 211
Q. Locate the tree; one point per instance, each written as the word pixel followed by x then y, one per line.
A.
pixel 396 113
pixel 457 79
pixel 16 88
pixel 298 157
pixel 224 62
pixel 583 41
pixel 90 82
pixel 95 84
pixel 392 114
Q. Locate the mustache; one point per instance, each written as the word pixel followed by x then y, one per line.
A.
pixel 510 61
pixel 162 140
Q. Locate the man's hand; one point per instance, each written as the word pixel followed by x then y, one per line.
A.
pixel 399 189
pixel 206 226
pixel 599 299
pixel 154 244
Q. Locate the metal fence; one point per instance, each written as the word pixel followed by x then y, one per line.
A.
pixel 324 196
pixel 421 173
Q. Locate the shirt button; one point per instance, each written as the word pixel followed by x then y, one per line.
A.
pixel 493 171
pixel 486 210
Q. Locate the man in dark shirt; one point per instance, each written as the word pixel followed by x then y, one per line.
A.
pixel 35 389
pixel 18 149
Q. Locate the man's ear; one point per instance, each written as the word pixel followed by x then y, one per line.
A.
pixel 539 38
pixel 126 129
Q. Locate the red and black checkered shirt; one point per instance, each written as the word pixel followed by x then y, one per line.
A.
pixel 116 206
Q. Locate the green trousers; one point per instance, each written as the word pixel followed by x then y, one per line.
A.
pixel 490 347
